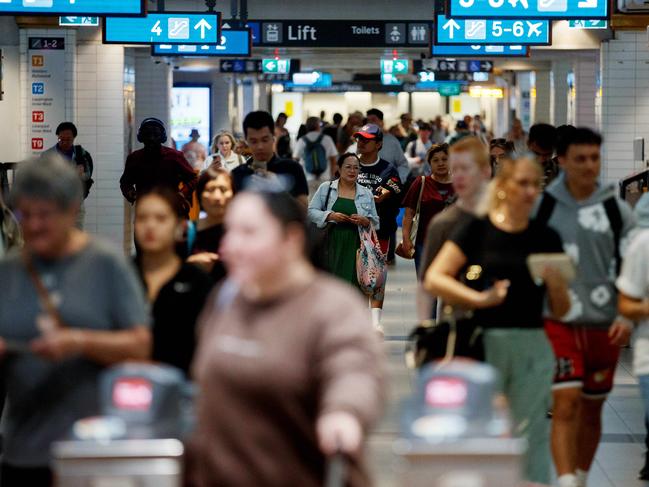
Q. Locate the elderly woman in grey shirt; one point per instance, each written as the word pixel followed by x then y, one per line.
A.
pixel 69 306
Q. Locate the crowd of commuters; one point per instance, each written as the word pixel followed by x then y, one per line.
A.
pixel 234 295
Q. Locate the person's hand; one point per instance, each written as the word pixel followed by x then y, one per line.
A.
pixel 204 260
pixel 58 345
pixel 338 217
pixel 339 432
pixel 620 332
pixel 407 245
pixel 216 163
pixel 495 295
pixel 359 220
pixel 553 278
pixel 385 194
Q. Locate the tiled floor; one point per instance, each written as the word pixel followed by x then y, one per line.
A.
pixel 620 454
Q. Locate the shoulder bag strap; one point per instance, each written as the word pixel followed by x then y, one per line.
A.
pixel 327 198
pixel 43 293
pixel 545 208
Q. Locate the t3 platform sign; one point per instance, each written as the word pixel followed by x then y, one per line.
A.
pixel 530 9
pixel 73 7
pixel 487 31
pixel 164 28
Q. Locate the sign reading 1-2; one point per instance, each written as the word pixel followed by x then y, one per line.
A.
pixel 530 9
pixel 485 31
pixel 395 66
pixel 164 28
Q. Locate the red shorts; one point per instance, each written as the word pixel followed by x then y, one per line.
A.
pixel 584 357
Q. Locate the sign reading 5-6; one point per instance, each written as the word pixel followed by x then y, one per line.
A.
pixel 529 9
pixel 486 31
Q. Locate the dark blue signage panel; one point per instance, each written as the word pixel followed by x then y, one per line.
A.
pixel 164 28
pixel 487 31
pixel 72 7
pixel 341 33
pixel 529 9
pixel 460 50
pixel 234 42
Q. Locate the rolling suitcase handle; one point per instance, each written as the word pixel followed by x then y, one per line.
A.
pixel 336 475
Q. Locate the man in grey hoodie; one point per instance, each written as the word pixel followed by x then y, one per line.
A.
pixel 593 224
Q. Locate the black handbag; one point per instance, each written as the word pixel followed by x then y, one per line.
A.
pixel 449 336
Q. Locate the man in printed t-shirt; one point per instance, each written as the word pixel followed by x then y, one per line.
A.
pixel 383 179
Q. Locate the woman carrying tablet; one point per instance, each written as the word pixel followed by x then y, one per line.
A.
pixel 507 302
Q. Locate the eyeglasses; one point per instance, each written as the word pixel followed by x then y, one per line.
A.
pixel 497 142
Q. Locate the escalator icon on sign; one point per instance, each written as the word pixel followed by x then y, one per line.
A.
pixel 178 28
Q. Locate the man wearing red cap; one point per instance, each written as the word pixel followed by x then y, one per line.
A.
pixel 383 179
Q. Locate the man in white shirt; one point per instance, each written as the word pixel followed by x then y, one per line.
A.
pixel 308 150
pixel 416 152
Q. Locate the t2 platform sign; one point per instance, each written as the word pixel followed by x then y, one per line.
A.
pixel 73 7
pixel 530 9
pixel 164 28
pixel 234 42
pixel 487 31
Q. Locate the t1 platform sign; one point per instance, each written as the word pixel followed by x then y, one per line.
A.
pixel 341 33
pixel 164 28
pixel 73 7
pixel 486 31
pixel 234 42
pixel 529 9
pixel 479 51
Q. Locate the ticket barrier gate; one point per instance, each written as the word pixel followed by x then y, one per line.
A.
pixel 137 442
pixel 454 434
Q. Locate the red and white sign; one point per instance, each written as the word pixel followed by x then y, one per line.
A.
pixel 37 144
pixel 446 392
pixel 38 116
pixel 133 394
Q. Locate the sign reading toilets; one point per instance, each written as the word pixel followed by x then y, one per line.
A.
pixel 46 90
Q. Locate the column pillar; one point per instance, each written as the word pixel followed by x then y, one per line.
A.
pixel 586 69
pixel 542 99
pixel 559 92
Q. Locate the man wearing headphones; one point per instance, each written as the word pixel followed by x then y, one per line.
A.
pixel 156 165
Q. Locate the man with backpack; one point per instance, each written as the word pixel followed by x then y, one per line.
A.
pixel 75 154
pixel 593 223
pixel 317 154
pixel 416 153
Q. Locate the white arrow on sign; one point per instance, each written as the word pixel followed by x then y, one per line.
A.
pixel 270 66
pixel 399 66
pixel 226 65
pixel 202 25
pixel 450 25
pixel 487 66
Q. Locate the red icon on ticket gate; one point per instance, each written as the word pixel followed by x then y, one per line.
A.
pixel 38 116
pixel 37 144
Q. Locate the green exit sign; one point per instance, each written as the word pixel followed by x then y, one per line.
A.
pixel 588 24
pixel 451 89
pixel 395 66
pixel 276 66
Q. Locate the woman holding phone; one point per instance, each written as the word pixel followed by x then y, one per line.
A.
pixel 507 302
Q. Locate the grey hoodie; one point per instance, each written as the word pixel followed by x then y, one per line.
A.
pixel 588 238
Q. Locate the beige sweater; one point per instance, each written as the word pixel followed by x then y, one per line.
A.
pixel 267 371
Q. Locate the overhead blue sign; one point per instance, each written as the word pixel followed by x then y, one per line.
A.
pixel 72 7
pixel 164 28
pixel 79 21
pixel 234 42
pixel 486 31
pixel 463 50
pixel 529 9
